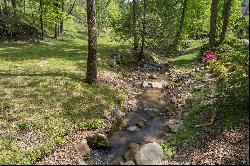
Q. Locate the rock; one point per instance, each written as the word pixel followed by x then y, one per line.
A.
pixel 133 128
pixel 118 161
pixel 99 141
pixel 156 85
pixel 145 85
pixel 118 113
pixel 43 62
pixel 140 124
pixel 164 83
pixel 129 163
pixel 83 148
pixel 112 62
pixel 135 147
pixel 149 154
pixel 128 155
pixel 152 76
pixel 175 126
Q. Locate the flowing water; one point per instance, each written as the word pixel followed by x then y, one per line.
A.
pixel 152 130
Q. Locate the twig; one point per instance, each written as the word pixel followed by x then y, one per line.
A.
pixel 207 124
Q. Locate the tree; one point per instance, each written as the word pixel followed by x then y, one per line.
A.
pixel 136 42
pixel 91 75
pixel 41 18
pixel 143 28
pixel 183 13
pixel 225 16
pixel 213 19
pixel 61 23
pixel 5 7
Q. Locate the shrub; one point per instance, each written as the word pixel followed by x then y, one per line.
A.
pixel 232 90
pixel 208 56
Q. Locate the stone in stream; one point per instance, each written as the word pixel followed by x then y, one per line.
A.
pixel 156 85
pixel 99 141
pixel 82 148
pixel 140 124
pixel 145 84
pixel 133 128
pixel 130 154
pixel 129 163
pixel 149 154
pixel 152 76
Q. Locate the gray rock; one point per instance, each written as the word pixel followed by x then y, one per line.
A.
pixel 175 126
pixel 132 128
pixel 152 76
pixel 112 62
pixel 164 83
pixel 99 141
pixel 129 163
pixel 118 113
pixel 149 154
pixel 82 148
pixel 140 124
pixel 145 84
pixel 156 85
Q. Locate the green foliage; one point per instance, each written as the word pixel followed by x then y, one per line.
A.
pixel 168 150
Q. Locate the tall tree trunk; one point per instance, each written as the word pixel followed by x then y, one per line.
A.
pixel 56 31
pixel 213 19
pixel 225 16
pixel 41 17
pixel 5 7
pixel 14 6
pixel 180 28
pixel 91 75
pixel 136 41
pixel 143 29
pixel 24 6
pixel 61 23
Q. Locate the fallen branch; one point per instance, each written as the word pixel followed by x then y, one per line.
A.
pixel 207 124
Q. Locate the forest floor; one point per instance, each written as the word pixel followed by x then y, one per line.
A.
pixel 46 108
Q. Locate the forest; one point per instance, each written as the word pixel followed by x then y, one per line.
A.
pixel 124 82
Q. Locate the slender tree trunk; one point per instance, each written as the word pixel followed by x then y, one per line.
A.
pixel 179 32
pixel 5 7
pixel 136 42
pixel 91 75
pixel 225 16
pixel 143 29
pixel 56 31
pixel 14 6
pixel 24 6
pixel 41 17
pixel 61 23
pixel 213 19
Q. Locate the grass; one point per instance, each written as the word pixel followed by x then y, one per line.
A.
pixel 185 60
pixel 43 96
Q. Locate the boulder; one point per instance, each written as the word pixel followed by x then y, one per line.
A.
pixel 149 154
pixel 99 141
pixel 82 148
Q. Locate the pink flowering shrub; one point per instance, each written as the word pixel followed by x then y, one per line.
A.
pixel 208 56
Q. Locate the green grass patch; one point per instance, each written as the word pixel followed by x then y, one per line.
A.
pixel 185 60
pixel 43 96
